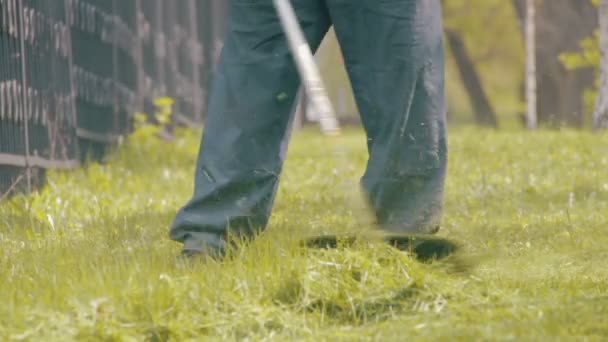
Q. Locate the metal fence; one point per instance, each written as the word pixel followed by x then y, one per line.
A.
pixel 73 73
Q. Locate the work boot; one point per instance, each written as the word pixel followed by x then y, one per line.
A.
pixel 198 248
pixel 202 254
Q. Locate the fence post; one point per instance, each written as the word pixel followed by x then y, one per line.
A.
pixel 159 48
pixel 139 88
pixel 195 56
pixel 115 101
pixel 72 87
pixel 24 99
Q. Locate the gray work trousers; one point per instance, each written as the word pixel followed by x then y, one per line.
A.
pixel 393 51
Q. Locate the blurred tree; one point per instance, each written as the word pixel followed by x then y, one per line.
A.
pixel 531 86
pixel 483 111
pixel 561 24
pixel 486 56
pixel 485 63
pixel 593 53
pixel 600 114
pixel 486 31
pixel 496 66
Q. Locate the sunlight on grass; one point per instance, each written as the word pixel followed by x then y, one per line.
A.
pixel 88 257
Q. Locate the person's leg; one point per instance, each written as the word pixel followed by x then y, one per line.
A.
pixel 395 60
pixel 252 98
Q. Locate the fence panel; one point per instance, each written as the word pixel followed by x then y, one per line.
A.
pixel 105 49
pixel 73 73
pixel 37 118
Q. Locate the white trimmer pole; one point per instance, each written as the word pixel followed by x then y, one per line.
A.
pixel 316 92
pixel 309 72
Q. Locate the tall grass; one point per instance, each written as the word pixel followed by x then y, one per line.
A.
pixel 88 257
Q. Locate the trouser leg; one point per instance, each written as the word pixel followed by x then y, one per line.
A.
pixel 252 98
pixel 395 60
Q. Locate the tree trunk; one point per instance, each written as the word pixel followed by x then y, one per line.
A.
pixel 520 11
pixel 531 120
pixel 600 115
pixel 484 114
pixel 560 26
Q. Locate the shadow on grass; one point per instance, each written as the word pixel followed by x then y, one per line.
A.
pixel 424 249
pixel 353 310
pixel 401 301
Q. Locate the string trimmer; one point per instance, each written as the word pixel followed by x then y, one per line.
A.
pixel 316 91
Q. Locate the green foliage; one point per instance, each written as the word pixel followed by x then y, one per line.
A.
pixel 494 41
pixel 143 129
pixel 88 258
pixel 588 56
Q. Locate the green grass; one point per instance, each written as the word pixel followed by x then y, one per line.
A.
pixel 88 258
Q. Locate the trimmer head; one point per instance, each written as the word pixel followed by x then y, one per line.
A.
pixel 424 248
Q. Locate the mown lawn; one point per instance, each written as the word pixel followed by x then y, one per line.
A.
pixel 88 257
